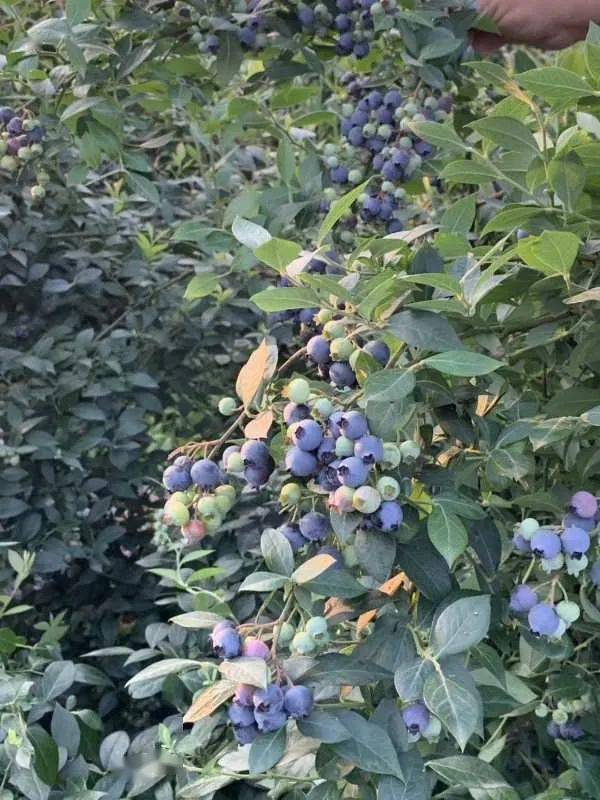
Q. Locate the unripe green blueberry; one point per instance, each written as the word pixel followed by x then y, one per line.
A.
pixel 329 194
pixel 286 633
pixel 324 315
pixel 227 406
pixel 226 490
pixel 369 130
pixel 36 149
pixel 568 611
pixel 290 494
pixel 388 487
pixel 332 162
pixel 303 643
pixel 377 10
pixel 366 499
pixel 341 349
pixel 419 118
pixel 9 163
pixel 207 507
pixel 347 111
pixel 330 149
pixel 578 706
pixel 559 716
pixel 333 330
pixel 410 109
pixel 409 451
pixel 528 527
pixel 347 237
pixel 321 408
pixel 223 503
pixel 433 729
pixel 178 497
pixel 350 556
pixel 388 187
pixel 542 710
pixel 552 564
pixel 317 628
pixel 391 455
pixel 400 193
pixel 344 447
pixel 355 176
pixel 213 523
pixel 37 192
pixel 235 464
pixel 176 513
pixel 298 390
pixel 405 142
pixel 385 131
pixel 576 565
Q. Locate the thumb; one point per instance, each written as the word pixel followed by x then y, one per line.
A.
pixel 486 43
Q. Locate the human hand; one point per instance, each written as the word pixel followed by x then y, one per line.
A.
pixel 549 24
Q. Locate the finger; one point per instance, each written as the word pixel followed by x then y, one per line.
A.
pixel 486 43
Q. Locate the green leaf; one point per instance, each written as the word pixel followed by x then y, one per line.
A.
pixel 45 754
pixel 553 253
pixel 462 363
pixel 474 171
pixel 266 750
pixel 447 534
pixel 592 417
pixel 509 133
pixel 285 299
pixel 424 330
pixel 410 678
pixel 57 678
pixel 451 695
pixel 339 208
pixel 567 177
pixel 161 669
pixel 262 582
pixel 335 582
pixel 79 106
pixel 556 85
pixel 341 670
pixel 197 620
pixel 324 726
pixel 249 233
pixel 113 750
pixel 461 625
pixel 510 218
pixel 78 10
pixel 286 160
pixel 474 774
pixel 425 566
pixel 277 253
pixel 201 286
pixel 458 218
pixel 442 136
pixel 143 186
pixel 370 748
pixel 389 385
pixel 277 552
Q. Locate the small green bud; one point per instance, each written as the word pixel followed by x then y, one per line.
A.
pixel 303 643
pixel 227 406
pixel 317 628
pixel 559 716
pixel 286 633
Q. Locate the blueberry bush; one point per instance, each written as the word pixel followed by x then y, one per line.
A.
pixel 372 568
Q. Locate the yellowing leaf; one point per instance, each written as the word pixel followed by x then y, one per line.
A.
pixel 313 567
pixel 255 372
pixel 259 427
pixel 209 701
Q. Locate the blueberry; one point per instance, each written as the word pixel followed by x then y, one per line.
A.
pixel 298 702
pixel 257 476
pixel 375 144
pixel 300 463
pixel 333 423
pixel 379 351
pixel 342 500
pixel 385 116
pixel 543 619
pixel 244 694
pixel 345 5
pixel 206 474
pixel 355 136
pixel 270 721
pixel 15 126
pixel 369 449
pixel 328 478
pixel 255 453
pixel 372 206
pixel 553 730
pixel 394 226
pixel 245 735
pixel 353 472
pixel 573 521
pixel 343 23
pixel 571 731
pixel 521 234
pixel 317 349
pixel 391 172
pixel 307 316
pixel 545 544
pixel 269 699
pixel 374 99
pixel 36 135
pixel 307 435
pixel 306 16
pixel 389 516
pixel 314 526
pixel 339 174
pixel 295 412
pixel 416 718
pixel 247 37
pixel 361 49
pixel 354 425
pixel 177 479
pixel 400 158
pixel 392 99
pixel 326 452
pixel 575 542
pixel 584 504
pixel 6 114
pixel 226 641
pixel 293 535
pixel 255 648
pixel 523 599
pixel 342 375
pixel 521 544
pixel 212 44
pixel 240 716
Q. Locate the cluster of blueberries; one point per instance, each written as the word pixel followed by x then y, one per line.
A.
pixel 378 139
pixel 557 548
pixel 254 711
pixel 244 20
pixel 21 140
pixel 353 27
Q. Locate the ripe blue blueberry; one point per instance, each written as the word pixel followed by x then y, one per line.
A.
pixel 255 648
pixel 575 542
pixel 328 477
pixel 392 99
pixel 353 472
pixel 523 599
pixel 295 412
pixel 245 735
pixel 521 544
pixel 584 504
pixel 226 641
pixel 206 474
pixel 244 694
pixel 543 619
pixel 177 479
pixel 269 699
pixel 379 351
pixel 6 114
pixel 571 731
pixel 354 425
pixel 369 449
pixel 314 526
pixel 326 452
pixel 388 516
pixel 257 476
pixel 339 174
pixel 299 702
pixel 553 730
pixel 573 521
pixel 333 423
pixel 307 435
pixel 306 16
pixel 342 375
pixel 293 535
pixel 255 453
pixel 270 721
pixel 545 544
pixel 416 718
pixel 240 716
pixel 317 349
pixel 300 463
